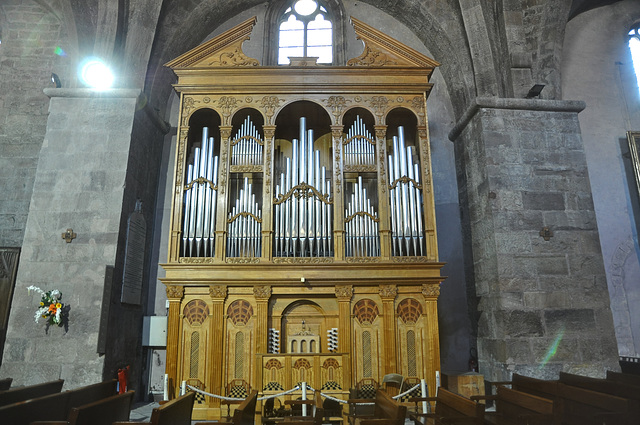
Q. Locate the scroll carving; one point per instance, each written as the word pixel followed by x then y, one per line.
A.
pixel 371 57
pixel 388 291
pixel 218 291
pixel 432 290
pixel 262 292
pixel 175 292
pixel 344 292
pixel 234 58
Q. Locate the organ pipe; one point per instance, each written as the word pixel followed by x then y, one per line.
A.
pixel 405 198
pixel 244 224
pixel 361 224
pixel 247 145
pixel 200 199
pixel 302 207
pixel 359 145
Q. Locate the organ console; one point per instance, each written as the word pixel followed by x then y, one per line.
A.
pixel 302 194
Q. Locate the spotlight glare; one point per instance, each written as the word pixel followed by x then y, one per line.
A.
pixel 96 74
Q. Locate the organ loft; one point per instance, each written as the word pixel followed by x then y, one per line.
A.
pixel 303 241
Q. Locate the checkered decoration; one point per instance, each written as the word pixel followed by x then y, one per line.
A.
pixel 331 385
pixel 273 343
pixel 332 338
pixel 273 386
pixel 199 397
pixel 367 391
pixel 238 392
pixel 414 393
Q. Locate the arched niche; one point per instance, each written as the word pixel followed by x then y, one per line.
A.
pixel 303 326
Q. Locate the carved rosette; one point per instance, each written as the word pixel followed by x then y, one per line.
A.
pixel 218 292
pixel 344 292
pixel 175 292
pixel 432 290
pixel 388 292
pixel 262 292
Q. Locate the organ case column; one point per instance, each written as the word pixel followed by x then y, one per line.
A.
pixel 218 295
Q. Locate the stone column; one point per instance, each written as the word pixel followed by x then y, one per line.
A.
pixel 218 295
pixel 388 295
pixel 532 241
pixel 174 296
pixel 344 293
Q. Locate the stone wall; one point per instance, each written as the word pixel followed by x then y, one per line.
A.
pixel 543 304
pixel 79 184
pixel 28 56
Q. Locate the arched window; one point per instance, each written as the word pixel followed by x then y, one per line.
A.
pixel 634 45
pixel 305 30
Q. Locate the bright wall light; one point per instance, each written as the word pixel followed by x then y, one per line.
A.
pixel 96 74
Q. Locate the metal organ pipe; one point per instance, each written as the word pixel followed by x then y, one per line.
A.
pixel 360 148
pixel 247 145
pixel 244 224
pixel 405 198
pixel 361 230
pixel 303 225
pixel 200 198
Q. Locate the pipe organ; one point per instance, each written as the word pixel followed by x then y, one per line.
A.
pixel 303 212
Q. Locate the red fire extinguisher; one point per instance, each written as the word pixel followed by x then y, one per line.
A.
pixel 123 380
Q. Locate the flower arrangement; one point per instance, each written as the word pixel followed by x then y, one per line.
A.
pixel 50 308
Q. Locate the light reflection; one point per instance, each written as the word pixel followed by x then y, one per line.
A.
pixel 552 349
pixel 96 74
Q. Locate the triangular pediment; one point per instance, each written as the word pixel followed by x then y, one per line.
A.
pixel 224 50
pixel 382 50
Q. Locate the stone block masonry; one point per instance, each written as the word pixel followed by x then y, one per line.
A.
pixel 543 305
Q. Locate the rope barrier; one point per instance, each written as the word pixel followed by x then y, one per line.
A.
pixel 296 388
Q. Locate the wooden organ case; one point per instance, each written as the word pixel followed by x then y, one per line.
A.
pixel 303 240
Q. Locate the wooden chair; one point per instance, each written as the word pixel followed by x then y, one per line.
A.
pixel 5 384
pixel 175 412
pixel 518 408
pixel 386 411
pixel 245 414
pixel 314 417
pixel 451 408
pixel 361 400
pixel 102 412
pixel 16 395
pixel 55 407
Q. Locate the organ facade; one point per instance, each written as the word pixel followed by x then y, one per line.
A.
pixel 303 240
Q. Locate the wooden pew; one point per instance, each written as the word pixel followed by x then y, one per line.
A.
pixel 18 394
pixel 387 411
pixel 579 406
pixel 620 389
pixel 175 412
pixel 102 412
pixel 55 407
pixel 315 415
pixel 451 408
pixel 245 414
pixel 516 408
pixel 623 378
pixel 5 384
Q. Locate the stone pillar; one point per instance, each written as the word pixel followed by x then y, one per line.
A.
pixel 388 295
pixel 174 296
pixel 218 295
pixel 344 293
pixel 533 246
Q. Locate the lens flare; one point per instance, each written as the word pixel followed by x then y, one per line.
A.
pixel 58 51
pixel 96 74
pixel 552 349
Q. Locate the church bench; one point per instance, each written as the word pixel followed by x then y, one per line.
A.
pixel 516 407
pixel 314 417
pixel 55 407
pixel 451 408
pixel 624 378
pixel 620 389
pixel 387 411
pixel 245 413
pixel 102 412
pixel 175 412
pixel 16 395
pixel 5 383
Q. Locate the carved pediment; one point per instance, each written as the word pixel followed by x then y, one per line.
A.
pixel 224 50
pixel 382 50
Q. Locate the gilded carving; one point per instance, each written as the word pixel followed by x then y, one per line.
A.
pixel 363 259
pixel 303 260
pixel 344 291
pixel 388 291
pixel 245 168
pixel 371 57
pixel 409 259
pixel 234 58
pixel 269 105
pixel 227 104
pixel 196 260
pixel 262 292
pixel 217 291
pixel 188 103
pixel 242 260
pixel 337 105
pixel 432 290
pixel 175 291
pixel 361 168
pixel 379 103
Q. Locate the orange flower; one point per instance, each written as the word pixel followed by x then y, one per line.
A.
pixel 52 308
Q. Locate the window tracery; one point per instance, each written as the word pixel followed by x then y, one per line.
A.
pixel 305 30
